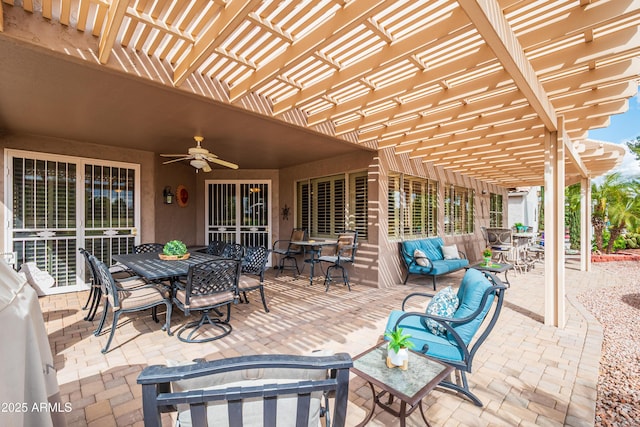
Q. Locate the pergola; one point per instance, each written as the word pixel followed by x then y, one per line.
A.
pixel 501 91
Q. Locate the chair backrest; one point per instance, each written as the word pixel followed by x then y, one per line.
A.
pixel 211 277
pixel 148 248
pixel 297 235
pixel 274 388
pixel 347 244
pixel 92 270
pixel 255 260
pixel 216 247
pixel 107 284
pixel 233 251
pixel 499 236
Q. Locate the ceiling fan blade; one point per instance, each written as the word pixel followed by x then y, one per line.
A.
pixel 175 160
pixel 173 155
pixel 206 168
pixel 224 163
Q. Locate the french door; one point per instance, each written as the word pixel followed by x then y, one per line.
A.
pixel 238 212
pixel 58 204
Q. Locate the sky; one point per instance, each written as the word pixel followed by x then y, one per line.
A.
pixel 624 127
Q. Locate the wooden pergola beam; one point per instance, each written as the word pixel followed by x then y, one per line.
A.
pixel 115 15
pixel 487 16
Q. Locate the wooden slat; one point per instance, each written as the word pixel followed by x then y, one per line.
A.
pixel 83 14
pixel 228 19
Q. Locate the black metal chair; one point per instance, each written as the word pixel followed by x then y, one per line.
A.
pixel 95 293
pixel 148 248
pixel 129 299
pixel 233 251
pixel 95 290
pixel 252 272
pixel 210 284
pixel 289 251
pixel 345 253
pixel 215 247
pixel 249 391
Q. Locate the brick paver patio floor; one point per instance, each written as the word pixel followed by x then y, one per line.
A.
pixel 526 373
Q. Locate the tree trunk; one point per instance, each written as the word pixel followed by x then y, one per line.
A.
pixel 598 228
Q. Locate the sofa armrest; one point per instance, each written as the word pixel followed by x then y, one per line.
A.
pixel 414 295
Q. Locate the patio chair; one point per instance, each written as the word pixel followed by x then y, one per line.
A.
pixel 95 290
pixel 449 333
pixel 210 284
pixel 129 299
pixel 345 253
pixel 500 240
pixel 252 272
pixel 233 251
pixel 289 251
pixel 215 247
pixel 249 391
pixel 148 248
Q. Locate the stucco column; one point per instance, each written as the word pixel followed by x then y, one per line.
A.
pixel 554 306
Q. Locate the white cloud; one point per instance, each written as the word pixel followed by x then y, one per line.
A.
pixel 630 166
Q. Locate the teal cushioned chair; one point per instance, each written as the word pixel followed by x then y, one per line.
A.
pixel 478 292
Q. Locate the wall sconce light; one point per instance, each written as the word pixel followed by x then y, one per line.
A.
pixel 167 195
pixel 484 191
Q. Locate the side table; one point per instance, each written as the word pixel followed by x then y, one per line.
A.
pixel 410 386
pixel 494 268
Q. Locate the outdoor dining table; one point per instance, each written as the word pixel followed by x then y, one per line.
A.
pixel 313 248
pixel 152 268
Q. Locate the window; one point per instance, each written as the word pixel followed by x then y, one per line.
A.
pixel 495 210
pixel 458 210
pixel 329 204
pixel 412 206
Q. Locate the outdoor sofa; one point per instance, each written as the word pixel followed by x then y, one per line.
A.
pixel 431 257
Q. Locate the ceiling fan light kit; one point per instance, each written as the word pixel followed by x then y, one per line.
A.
pixel 199 157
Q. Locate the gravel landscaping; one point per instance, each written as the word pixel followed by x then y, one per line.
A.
pixel 616 305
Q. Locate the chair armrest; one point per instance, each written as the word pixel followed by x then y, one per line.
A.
pixel 462 255
pixel 413 295
pixel 414 260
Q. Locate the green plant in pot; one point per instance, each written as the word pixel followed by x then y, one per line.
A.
pixel 520 227
pixel 398 348
pixel 175 248
pixel 487 254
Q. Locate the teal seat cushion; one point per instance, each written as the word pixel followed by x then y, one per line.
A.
pixel 472 288
pixel 439 346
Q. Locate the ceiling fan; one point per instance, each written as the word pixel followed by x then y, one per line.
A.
pixel 199 157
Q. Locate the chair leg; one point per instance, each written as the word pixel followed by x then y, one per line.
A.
pixel 105 310
pixel 116 314
pixel 167 323
pixel 264 301
pixel 345 277
pixel 462 388
pixel 406 278
pixel 434 282
pixel 97 294
pixel 205 319
pixel 90 297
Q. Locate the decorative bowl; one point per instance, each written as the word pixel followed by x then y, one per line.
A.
pixel 174 257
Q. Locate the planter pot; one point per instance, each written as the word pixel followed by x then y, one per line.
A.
pixel 487 261
pixel 399 359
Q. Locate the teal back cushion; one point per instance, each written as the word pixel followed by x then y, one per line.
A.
pixel 431 247
pixel 472 288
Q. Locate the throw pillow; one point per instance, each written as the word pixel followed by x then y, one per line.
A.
pixel 450 252
pixel 443 304
pixel 421 258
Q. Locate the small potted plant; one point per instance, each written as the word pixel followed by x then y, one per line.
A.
pixel 174 250
pixel 486 254
pixel 520 228
pixel 398 348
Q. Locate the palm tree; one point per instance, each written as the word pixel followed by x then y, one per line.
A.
pixel 617 206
